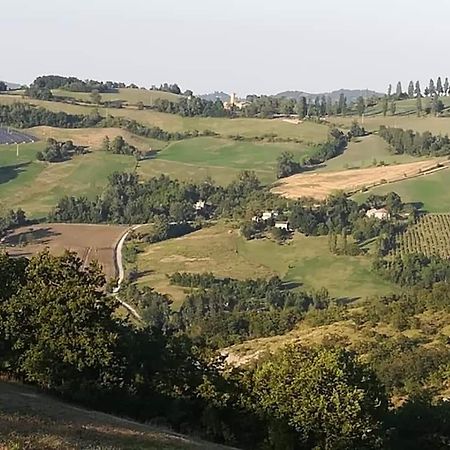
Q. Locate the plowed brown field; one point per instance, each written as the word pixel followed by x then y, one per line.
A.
pixel 90 242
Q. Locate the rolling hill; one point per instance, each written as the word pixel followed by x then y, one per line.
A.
pixel 351 94
pixel 32 420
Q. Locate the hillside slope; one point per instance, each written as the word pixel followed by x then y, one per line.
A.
pixel 31 420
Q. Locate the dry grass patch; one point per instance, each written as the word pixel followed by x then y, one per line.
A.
pixel 93 137
pixel 31 420
pixel 321 185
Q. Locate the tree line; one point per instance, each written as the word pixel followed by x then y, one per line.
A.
pixel 22 115
pixel 335 145
pixel 415 143
pixel 128 200
pixel 191 106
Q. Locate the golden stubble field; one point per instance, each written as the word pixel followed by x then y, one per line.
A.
pixel 90 242
pixel 321 185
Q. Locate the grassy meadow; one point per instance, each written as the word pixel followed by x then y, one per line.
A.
pixel 429 191
pixel 436 125
pixel 364 152
pixel 220 249
pixel 221 159
pixel 128 95
pixel 37 186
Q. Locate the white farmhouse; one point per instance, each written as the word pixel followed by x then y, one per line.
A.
pixel 381 214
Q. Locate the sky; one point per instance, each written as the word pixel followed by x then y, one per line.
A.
pixel 245 46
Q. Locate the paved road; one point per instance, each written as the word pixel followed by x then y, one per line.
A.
pixel 121 270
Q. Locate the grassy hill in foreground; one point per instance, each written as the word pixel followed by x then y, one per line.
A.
pixel 220 249
pixel 31 420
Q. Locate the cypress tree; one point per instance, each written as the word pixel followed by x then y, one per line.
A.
pixel 446 86
pixel 431 88
pixel 439 88
pixel 419 106
pixel 399 91
pixel 418 91
pixel 411 89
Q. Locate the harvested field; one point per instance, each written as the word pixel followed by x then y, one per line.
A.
pixel 90 242
pixel 321 185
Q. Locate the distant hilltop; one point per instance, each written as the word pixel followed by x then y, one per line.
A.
pixel 350 94
pixel 216 95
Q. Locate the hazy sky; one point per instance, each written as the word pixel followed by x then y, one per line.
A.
pixel 247 46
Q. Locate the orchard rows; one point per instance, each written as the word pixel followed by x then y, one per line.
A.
pixel 430 236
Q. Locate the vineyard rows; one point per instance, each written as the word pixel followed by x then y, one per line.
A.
pixel 430 236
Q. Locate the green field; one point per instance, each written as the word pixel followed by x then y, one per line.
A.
pixel 220 249
pixel 37 186
pixel 364 152
pixel 406 107
pixel 128 95
pixel 436 125
pixel 429 190
pixel 221 159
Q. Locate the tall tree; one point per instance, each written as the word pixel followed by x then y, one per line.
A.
pixel 393 108
pixel 60 324
pixel 360 106
pixel 446 86
pixel 301 107
pixel 419 106
pixel 439 88
pixel 417 90
pixel 385 105
pixel 431 87
pixel 342 104
pixel 399 91
pixel 389 92
pixel 411 89
pixel 330 399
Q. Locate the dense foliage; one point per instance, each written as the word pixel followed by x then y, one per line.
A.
pixel 414 269
pixel 58 331
pixel 74 84
pixel 226 311
pixel 415 143
pixel 22 115
pixel 191 107
pixel 119 146
pixel 336 144
pixel 127 200
pixel 11 219
pixel 59 151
